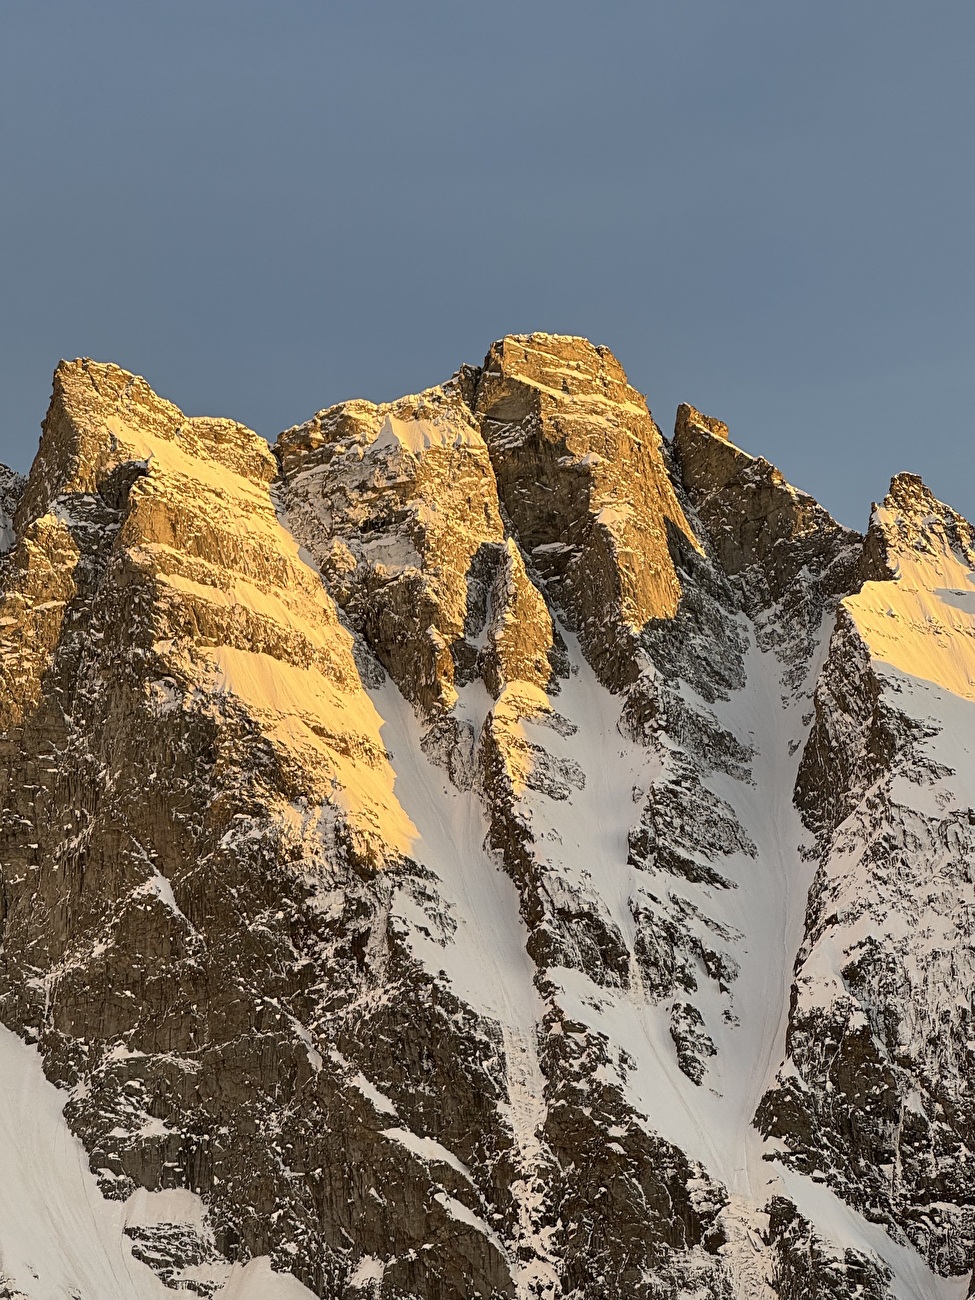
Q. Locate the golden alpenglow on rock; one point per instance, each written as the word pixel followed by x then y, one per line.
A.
pixel 478 847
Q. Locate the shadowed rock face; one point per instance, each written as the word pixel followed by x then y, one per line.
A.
pixel 200 836
pixel 874 1094
pixel 787 559
pixel 398 847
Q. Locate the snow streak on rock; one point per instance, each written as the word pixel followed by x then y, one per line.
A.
pixel 880 1039
pixel 481 849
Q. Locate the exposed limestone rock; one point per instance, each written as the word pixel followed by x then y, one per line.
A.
pixel 874 1093
pixel 691 1040
pixel 912 519
pixel 521 644
pixel 788 559
pixel 398 505
pixel 582 479
pixel 195 802
pixel 400 870
pixel 508 639
pixel 690 420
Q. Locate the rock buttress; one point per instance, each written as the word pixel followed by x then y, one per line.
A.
pixel 200 840
pixel 874 1094
pixel 581 478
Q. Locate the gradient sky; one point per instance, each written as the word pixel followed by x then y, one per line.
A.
pixel 763 208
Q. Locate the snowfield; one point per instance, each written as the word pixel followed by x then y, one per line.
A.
pixel 60 1239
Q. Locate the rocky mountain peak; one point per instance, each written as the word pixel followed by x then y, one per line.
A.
pixel 398 504
pixel 101 416
pixel 689 418
pixel 558 365
pixel 787 558
pixel 752 514
pixel 579 466
pixel 479 848
pixel 911 524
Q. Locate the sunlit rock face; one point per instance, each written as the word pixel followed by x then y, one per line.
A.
pixel 478 847
pixel 399 506
pixel 581 477
pixel 880 1041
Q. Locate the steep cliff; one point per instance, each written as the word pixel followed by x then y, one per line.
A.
pixel 478 848
pixel 874 1093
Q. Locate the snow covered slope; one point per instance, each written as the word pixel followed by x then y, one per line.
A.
pixel 59 1237
pixel 480 849
pixel 880 1037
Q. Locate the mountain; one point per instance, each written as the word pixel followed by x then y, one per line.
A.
pixel 479 848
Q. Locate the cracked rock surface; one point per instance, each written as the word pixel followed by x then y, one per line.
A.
pixel 478 847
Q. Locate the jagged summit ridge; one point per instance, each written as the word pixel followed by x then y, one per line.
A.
pixel 409 834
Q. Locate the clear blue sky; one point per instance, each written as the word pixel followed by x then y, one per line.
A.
pixel 763 208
